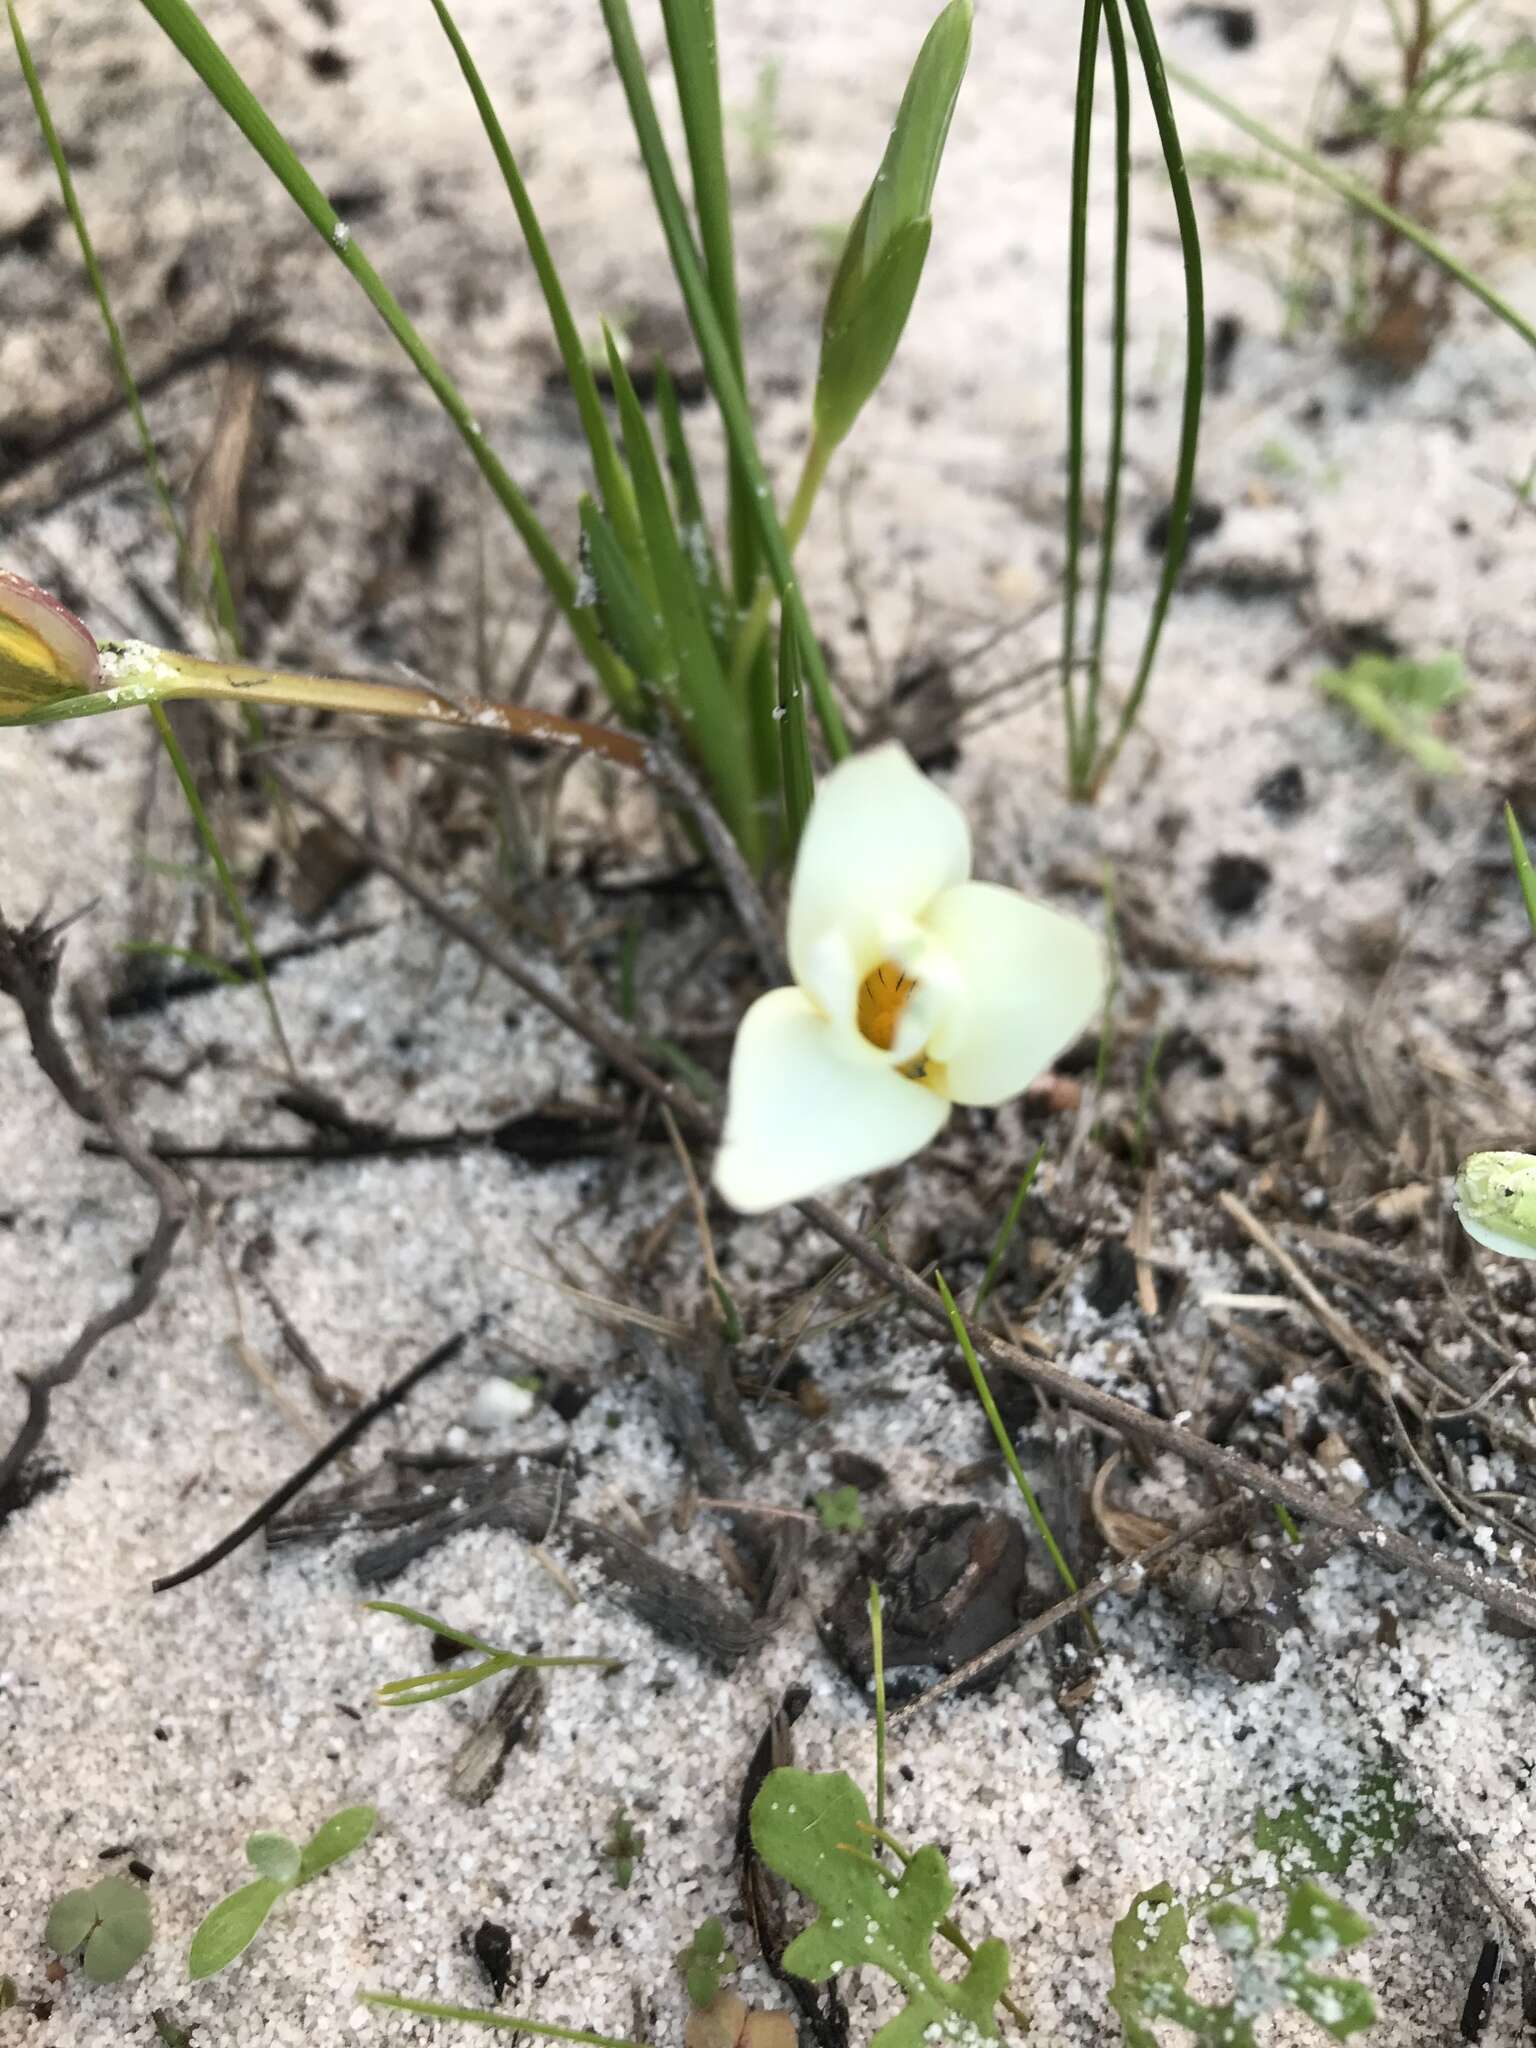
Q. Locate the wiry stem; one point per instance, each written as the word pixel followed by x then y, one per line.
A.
pixel 133 673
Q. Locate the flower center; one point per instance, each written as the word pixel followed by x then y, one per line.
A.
pixel 883 996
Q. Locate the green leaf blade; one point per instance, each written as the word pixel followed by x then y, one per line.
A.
pixel 273 1856
pixel 335 1838
pixel 231 1927
pixel 70 1921
pixel 125 1932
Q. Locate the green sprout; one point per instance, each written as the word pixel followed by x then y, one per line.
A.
pixel 705 1963
pixel 281 1867
pixel 624 1848
pixel 1401 700
pixel 442 1685
pixel 839 1509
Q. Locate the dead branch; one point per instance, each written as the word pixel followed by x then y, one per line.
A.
pixel 29 975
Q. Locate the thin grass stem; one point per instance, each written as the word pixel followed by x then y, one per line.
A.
pixel 1522 859
pixel 717 360
pixel 1005 1235
pixel 877 1655
pixel 505 2022
pixel 1005 1445
pixel 1077 290
pixel 1119 323
pixel 150 455
pixel 618 501
pixel 1358 195
pixel 1145 33
pixel 185 29
pixel 227 882
pixel 690 26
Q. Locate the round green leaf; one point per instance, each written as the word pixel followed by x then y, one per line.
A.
pixel 71 1920
pixel 125 1931
pixel 274 1856
pixel 231 1927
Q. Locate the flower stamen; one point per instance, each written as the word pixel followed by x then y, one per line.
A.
pixel 883 996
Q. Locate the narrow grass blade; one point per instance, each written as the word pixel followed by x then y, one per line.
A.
pixel 1523 868
pixel 506 2022
pixel 183 26
pixel 877 1654
pixel 690 26
pixel 185 956
pixel 714 726
pixel 692 523
pixel 1358 195
pixel 612 483
pixel 151 459
pixel 796 777
pixel 1005 1445
pixel 622 608
pixel 232 897
pixel 1119 323
pixel 1077 293
pixel 430 1621
pixel 147 449
pixel 715 351
pixel 1005 1235
pixel 1194 374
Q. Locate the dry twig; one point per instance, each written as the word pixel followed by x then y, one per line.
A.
pixel 29 975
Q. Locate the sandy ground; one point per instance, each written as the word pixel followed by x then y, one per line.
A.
pixel 167 1728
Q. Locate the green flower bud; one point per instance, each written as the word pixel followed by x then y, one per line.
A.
pixel 1496 1201
pixel 45 652
pixel 887 245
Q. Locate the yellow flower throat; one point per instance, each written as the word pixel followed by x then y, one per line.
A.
pixel 883 996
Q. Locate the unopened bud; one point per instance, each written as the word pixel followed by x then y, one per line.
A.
pixel 45 652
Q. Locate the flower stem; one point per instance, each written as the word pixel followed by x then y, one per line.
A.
pixel 812 475
pixel 133 673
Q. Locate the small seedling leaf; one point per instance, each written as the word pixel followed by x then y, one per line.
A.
pixel 1319 1835
pixel 123 1934
pixel 839 1509
pixel 1147 1951
pixel 273 1856
pixel 71 1920
pixel 812 1827
pixel 169 2032
pixel 1400 700
pixel 335 1838
pixel 231 1927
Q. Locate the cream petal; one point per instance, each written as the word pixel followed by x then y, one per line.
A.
pixel 880 843
pixel 808 1109
pixel 1030 977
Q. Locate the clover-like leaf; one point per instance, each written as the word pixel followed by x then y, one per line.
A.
pixel 335 1838
pixel 273 1856
pixel 231 1927
pixel 812 1827
pixel 111 1921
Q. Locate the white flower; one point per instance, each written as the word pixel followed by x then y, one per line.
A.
pixel 915 988
pixel 1496 1202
